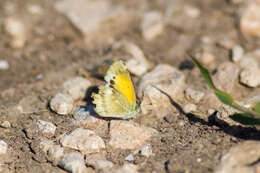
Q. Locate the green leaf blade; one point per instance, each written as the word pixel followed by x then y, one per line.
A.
pixel 245 119
pixel 256 107
pixel 224 97
pixel 204 72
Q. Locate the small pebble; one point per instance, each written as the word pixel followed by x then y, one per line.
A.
pixel 4 65
pixel 3 147
pixel 250 77
pixel 99 163
pixel 61 104
pixel 34 9
pixel 188 108
pixel 127 168
pixel 5 124
pixel 122 137
pixel 40 128
pixel 152 25
pixel 192 12
pixel 55 152
pixel 250 20
pixel 147 150
pixel 156 87
pixel 137 65
pixel 16 29
pixel 181 123
pixel 129 158
pixel 73 162
pixel 46 127
pixel 194 95
pixel 84 140
pixel 237 53
pixel 75 87
pixel 45 145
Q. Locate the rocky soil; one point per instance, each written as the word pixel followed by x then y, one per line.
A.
pixel 54 54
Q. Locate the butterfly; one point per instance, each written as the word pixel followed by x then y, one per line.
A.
pixel 117 98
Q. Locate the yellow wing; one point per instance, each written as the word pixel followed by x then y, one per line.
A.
pixel 110 103
pixel 119 78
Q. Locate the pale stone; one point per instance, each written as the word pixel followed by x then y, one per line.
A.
pixel 122 137
pixel 3 147
pixel 250 20
pixel 55 152
pixel 250 77
pixel 104 19
pixel 240 158
pixel 152 25
pixel 191 11
pixel 188 108
pixel 5 124
pixel 147 150
pixel 61 104
pixel 226 76
pixel 39 128
pixel 99 163
pixel 138 64
pixel 4 65
pixel 127 168
pixel 86 141
pixel 73 162
pixel 46 127
pixel 158 87
pixel 76 87
pixel 194 95
pixel 130 158
pixel 237 53
pixel 16 29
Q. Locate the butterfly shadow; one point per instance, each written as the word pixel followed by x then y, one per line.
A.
pixel 241 132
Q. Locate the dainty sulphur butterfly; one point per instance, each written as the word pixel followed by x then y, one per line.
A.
pixel 117 98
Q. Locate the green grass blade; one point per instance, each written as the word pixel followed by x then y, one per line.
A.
pixel 204 72
pixel 245 118
pixel 224 97
pixel 256 107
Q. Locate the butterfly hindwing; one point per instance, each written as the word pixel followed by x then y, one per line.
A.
pixel 110 103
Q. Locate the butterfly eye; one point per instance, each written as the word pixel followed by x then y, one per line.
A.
pixel 112 82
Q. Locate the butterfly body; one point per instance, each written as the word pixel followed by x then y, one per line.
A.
pixel 117 98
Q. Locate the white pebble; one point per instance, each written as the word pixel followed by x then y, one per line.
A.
pixel 194 95
pixel 46 127
pixel 61 104
pixel 192 12
pixel 147 150
pixel 250 77
pixel 16 29
pixel 237 53
pixel 188 108
pixel 123 138
pixel 73 162
pixel 5 124
pixel 137 65
pixel 250 20
pixel 75 87
pixel 4 65
pixel 129 158
pixel 34 9
pixel 152 25
pixel 55 152
pixel 84 140
pixel 3 147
